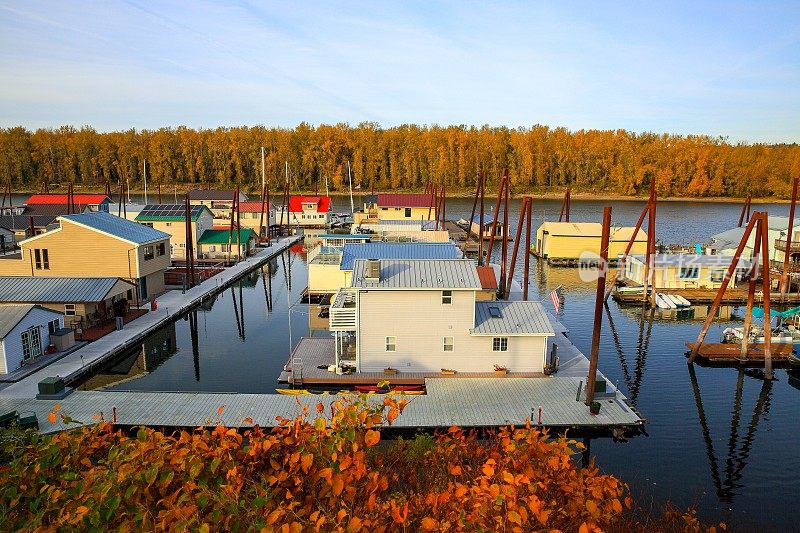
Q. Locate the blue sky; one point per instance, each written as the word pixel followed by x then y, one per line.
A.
pixel 726 68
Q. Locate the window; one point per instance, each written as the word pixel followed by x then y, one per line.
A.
pixel 45 259
pixel 69 310
pixel 162 248
pixel 37 258
pixel 148 253
pixel 408 212
pixel 500 344
pixel 689 273
pixel 53 326
pixel 447 344
pixel 391 344
pixel 169 224
pixel 31 343
pixel 447 297
pixel 212 248
pixel 717 276
pixel 148 224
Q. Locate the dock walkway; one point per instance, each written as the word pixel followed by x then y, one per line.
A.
pixel 170 304
pixel 467 402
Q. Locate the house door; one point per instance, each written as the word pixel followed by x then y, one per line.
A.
pixel 143 288
pixel 31 343
pixel 408 212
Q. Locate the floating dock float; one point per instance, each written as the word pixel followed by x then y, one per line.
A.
pixel 732 353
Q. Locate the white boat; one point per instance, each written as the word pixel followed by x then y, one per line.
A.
pixel 679 301
pixel 735 335
pixel 664 302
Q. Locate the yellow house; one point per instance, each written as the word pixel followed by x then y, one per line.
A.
pixel 171 218
pixel 95 244
pixel 396 207
pixel 569 241
pixel 250 216
pixel 213 244
pixel 684 271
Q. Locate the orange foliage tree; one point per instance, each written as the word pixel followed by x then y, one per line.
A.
pixel 327 471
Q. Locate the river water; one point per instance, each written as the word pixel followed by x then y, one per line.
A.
pixel 719 439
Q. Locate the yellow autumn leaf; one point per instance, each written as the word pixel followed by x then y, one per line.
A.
pixel 429 524
pixel 372 437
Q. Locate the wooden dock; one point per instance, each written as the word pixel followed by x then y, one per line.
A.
pixel 468 403
pixel 731 353
pixel 171 305
pixel 706 296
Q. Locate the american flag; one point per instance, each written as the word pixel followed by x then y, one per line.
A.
pixel 555 297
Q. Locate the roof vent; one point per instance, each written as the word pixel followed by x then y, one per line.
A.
pixel 372 270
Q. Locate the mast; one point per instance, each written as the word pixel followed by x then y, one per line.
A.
pixel 350 181
pixel 263 175
pixel 144 175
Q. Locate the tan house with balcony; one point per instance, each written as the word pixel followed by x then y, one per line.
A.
pixel 425 316
pixel 95 244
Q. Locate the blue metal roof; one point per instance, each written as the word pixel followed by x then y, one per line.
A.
pixel 118 227
pixel 487 219
pixel 389 250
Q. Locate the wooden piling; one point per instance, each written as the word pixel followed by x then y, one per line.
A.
pixel 504 249
pixel 598 306
pixel 526 275
pixel 787 253
pixel 480 230
pixel 751 291
pixel 494 219
pixel 766 288
pixel 522 210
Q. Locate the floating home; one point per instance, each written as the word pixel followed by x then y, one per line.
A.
pixel 25 334
pixel 82 202
pixel 171 219
pixel 574 242
pixel 219 201
pixel 423 316
pixel 726 242
pixel 250 216
pixel 98 244
pixel 223 245
pixel 485 229
pixel 402 231
pixel 331 268
pixel 305 212
pixel 391 206
pixel 84 302
pixel 684 271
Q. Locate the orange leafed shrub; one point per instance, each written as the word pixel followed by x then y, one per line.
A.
pixel 308 474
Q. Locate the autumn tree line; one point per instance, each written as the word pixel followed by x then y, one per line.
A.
pixel 538 159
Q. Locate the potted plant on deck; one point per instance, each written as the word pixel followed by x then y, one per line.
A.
pixel 594 407
pixel 500 370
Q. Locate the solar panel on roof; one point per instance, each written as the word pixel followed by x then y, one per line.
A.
pixel 495 312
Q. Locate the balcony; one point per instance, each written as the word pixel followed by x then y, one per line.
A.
pixel 343 311
pixel 781 245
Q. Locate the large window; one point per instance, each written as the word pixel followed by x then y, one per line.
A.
pixel 37 258
pixel 161 248
pixel 53 326
pixel 717 276
pixel 148 253
pixel 45 259
pixel 391 344
pixel 447 297
pixel 500 344
pixel 31 343
pixel 69 309
pixel 408 212
pixel 447 344
pixel 689 273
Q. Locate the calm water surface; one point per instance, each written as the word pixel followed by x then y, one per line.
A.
pixel 723 440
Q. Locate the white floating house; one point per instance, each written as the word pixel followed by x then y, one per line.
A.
pixel 25 334
pixel 429 315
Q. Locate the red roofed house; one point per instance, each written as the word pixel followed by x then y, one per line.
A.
pixel 306 211
pixel 250 214
pixel 390 206
pixel 92 202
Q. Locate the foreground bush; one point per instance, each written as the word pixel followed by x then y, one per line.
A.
pixel 313 473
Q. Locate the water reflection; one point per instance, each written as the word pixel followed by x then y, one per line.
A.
pixel 642 347
pixel 728 482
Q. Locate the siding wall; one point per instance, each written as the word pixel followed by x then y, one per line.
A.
pixel 569 247
pixel 327 278
pixel 12 343
pixel 177 232
pixel 668 277
pixel 420 321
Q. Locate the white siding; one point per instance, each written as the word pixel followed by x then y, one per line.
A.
pixel 12 343
pixel 420 321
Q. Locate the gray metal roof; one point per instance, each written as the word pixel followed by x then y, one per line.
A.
pixel 11 315
pixel 118 227
pixel 420 274
pixel 54 289
pixel 387 250
pixel 693 260
pixel 21 222
pixel 515 318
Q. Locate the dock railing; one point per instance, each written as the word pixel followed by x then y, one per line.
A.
pixel 782 244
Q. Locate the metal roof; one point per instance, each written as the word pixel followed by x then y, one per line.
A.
pixel 693 260
pixel 405 200
pixel 388 250
pixel 420 274
pixel 515 318
pixel 61 199
pixel 20 222
pixel 732 237
pixel 591 229
pixel 117 227
pixel 220 236
pixel 487 277
pixel 54 289
pixel 169 212
pixel 11 315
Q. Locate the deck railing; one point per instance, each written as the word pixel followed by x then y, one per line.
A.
pixel 781 244
pixel 343 311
